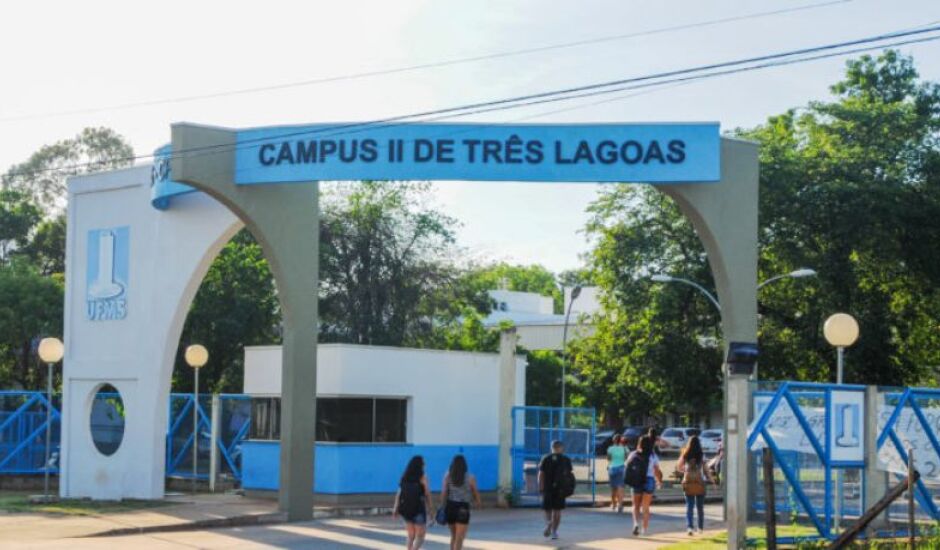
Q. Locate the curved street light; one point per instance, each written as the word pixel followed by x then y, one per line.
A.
pixel 796 274
pixel 575 292
pixel 663 278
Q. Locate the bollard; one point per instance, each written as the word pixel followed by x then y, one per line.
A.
pixel 215 419
pixel 770 506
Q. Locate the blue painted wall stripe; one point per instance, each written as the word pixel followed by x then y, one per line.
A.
pixel 356 469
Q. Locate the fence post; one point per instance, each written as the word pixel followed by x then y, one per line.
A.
pixel 216 417
pixel 770 509
pixel 876 480
pixel 910 497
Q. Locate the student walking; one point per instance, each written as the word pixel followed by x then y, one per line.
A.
pixel 412 502
pixel 460 487
pixel 556 483
pixel 694 475
pixel 644 476
pixel 616 459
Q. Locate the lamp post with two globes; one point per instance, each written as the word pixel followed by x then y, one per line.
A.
pixel 196 357
pixel 51 351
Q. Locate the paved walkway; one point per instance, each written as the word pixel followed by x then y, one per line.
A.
pixel 595 529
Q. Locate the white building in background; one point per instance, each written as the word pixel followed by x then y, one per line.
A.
pixel 377 407
pixel 537 325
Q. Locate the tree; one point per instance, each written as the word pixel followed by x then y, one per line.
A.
pixel 43 175
pixel 18 216
pixel 386 272
pixel 235 306
pixel 30 308
pixel 850 187
pixel 46 249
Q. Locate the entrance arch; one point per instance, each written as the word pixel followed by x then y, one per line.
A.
pixel 283 217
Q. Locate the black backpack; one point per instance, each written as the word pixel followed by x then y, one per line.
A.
pixel 409 500
pixel 566 483
pixel 635 475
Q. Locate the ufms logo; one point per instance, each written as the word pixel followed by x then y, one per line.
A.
pixel 106 291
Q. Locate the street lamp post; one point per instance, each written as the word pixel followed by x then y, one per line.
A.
pixel 841 331
pixel 575 292
pixel 51 351
pixel 663 278
pixel 196 357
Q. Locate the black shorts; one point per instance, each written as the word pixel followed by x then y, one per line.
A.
pixel 552 500
pixel 457 512
pixel 420 516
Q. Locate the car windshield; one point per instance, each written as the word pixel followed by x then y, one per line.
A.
pixel 672 433
pixel 711 434
pixel 606 433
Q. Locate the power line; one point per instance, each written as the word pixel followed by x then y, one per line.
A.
pixel 634 83
pixel 423 66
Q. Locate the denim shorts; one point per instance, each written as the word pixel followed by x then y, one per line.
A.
pixel 615 474
pixel 648 489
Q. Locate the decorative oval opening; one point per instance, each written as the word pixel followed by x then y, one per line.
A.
pixel 107 420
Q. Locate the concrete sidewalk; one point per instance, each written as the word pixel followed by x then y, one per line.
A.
pixel 518 529
pixel 180 512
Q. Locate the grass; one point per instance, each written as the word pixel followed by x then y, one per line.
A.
pixel 18 503
pixel 720 541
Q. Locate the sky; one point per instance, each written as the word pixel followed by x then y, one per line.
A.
pixel 97 57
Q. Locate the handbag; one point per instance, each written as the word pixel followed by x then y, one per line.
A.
pixel 441 516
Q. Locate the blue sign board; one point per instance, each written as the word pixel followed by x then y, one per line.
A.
pixel 162 187
pixel 650 153
pixel 107 274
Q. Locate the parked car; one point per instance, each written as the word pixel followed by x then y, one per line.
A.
pixel 711 440
pixel 603 440
pixel 673 439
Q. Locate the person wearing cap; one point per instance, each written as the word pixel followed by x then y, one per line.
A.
pixel 551 469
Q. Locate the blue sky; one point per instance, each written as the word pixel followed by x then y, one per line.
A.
pixel 66 56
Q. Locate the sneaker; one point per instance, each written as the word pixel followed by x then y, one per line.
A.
pixel 643 533
pixel 691 532
pixel 636 530
pixel 620 508
pixel 700 531
pixel 547 531
pixel 554 536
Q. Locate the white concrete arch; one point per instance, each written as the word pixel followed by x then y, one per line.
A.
pixel 170 252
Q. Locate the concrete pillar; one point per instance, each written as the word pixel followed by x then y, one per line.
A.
pixel 507 398
pixel 724 215
pixel 284 218
pixel 876 480
pixel 214 434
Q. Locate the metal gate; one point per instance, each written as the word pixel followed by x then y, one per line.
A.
pixel 23 433
pixel 533 430
pixel 234 411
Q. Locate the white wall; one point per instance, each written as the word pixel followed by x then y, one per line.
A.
pixel 523 302
pixel 169 252
pixel 454 395
pixel 588 301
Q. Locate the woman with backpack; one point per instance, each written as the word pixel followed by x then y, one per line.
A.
pixel 694 475
pixel 643 476
pixel 412 502
pixel 616 459
pixel 460 486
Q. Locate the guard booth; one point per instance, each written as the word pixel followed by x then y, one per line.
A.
pixel 533 430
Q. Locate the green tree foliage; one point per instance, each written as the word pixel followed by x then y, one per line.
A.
pixel 43 174
pixel 386 265
pixel 46 248
pixel 236 306
pixel 653 347
pixel 851 188
pixel 18 216
pixel 30 308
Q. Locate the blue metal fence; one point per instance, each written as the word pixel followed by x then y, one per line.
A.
pixel 533 430
pixel 23 429
pixel 819 485
pixel 23 433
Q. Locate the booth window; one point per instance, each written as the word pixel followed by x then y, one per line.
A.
pixel 339 419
